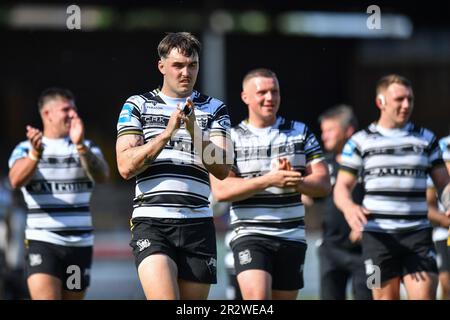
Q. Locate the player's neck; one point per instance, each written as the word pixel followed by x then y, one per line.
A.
pixel 387 123
pixel 260 122
pixel 172 94
pixel 53 134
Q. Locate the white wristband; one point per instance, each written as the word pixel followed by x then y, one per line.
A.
pixel 32 156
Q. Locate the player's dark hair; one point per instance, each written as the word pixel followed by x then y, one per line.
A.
pixel 343 113
pixel 53 93
pixel 185 42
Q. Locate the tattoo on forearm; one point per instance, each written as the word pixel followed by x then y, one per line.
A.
pixel 92 164
pixel 138 141
pixel 148 160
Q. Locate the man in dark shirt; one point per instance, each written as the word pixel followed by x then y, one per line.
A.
pixel 340 251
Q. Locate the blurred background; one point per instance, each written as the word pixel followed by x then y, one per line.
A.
pixel 324 53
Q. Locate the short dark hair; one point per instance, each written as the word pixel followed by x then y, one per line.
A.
pixel 259 72
pixel 386 81
pixel 53 93
pixel 185 42
pixel 343 113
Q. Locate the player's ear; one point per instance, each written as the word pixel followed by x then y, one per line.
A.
pixel 244 97
pixel 161 67
pixel 44 112
pixel 349 132
pixel 380 101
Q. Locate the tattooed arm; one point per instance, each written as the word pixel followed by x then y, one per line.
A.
pixel 134 156
pixel 95 167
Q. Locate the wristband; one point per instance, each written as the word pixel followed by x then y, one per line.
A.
pixel 81 148
pixel 32 156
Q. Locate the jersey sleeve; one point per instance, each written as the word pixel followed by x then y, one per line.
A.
pixel 351 160
pixel 130 118
pixel 19 152
pixel 220 124
pixel 444 145
pixel 313 151
pixel 234 166
pixel 95 149
pixel 435 153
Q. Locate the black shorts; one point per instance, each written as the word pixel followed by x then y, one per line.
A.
pixel 72 265
pixel 338 265
pixel 190 243
pixel 443 256
pixel 283 259
pixel 399 254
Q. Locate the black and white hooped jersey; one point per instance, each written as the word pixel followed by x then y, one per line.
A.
pixel 58 194
pixel 395 164
pixel 275 211
pixel 176 184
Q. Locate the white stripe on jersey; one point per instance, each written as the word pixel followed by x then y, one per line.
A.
pixel 58 193
pixel 275 211
pixel 394 165
pixel 176 184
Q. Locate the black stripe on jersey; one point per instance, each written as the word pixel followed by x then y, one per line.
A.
pixel 221 111
pixel 286 125
pixel 253 174
pixel 373 216
pixel 153 96
pixel 129 130
pixel 247 153
pixel 289 199
pixel 371 130
pixel 170 200
pixel 71 231
pixel 271 224
pixel 59 186
pixel 393 171
pixel 51 210
pixel 249 174
pixel 437 162
pixel 201 99
pixel 433 145
pixel 168 167
pixel 399 150
pixel 175 176
pixel 59 161
pixel 403 194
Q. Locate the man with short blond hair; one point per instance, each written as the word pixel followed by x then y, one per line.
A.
pixel 395 157
pixel 276 161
